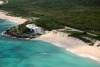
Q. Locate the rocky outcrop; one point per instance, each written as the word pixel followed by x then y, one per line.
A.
pixel 20 31
pixel 10 33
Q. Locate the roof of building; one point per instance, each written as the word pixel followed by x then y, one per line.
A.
pixel 31 26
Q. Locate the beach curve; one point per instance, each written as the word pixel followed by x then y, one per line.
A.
pixel 73 45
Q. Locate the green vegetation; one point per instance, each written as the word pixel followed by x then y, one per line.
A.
pixel 79 35
pixel 98 45
pixel 82 36
pixel 49 23
pixel 21 29
pixel 79 14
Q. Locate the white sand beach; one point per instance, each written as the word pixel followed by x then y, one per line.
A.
pixel 72 44
pixel 18 20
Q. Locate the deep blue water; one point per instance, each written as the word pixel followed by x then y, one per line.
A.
pixel 36 53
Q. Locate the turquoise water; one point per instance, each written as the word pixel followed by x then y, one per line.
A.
pixel 35 53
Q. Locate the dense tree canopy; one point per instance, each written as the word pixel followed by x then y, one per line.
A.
pixel 80 14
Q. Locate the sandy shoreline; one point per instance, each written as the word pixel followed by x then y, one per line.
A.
pixel 62 40
pixel 73 45
pixel 18 20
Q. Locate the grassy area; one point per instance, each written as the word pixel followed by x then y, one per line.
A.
pixel 82 36
pixel 79 14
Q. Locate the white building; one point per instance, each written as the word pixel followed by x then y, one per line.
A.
pixel 35 29
pixel 1 2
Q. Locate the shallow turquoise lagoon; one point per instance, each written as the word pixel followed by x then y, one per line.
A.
pixel 36 53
